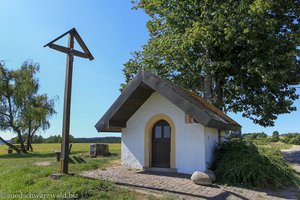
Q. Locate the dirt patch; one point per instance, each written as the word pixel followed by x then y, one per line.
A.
pixel 292 155
pixel 115 163
pixel 44 163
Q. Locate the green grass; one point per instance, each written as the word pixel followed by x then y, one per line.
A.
pixel 278 145
pixel 282 146
pixel 20 174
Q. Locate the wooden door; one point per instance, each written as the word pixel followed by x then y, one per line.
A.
pixel 161 144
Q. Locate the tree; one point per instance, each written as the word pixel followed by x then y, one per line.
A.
pixel 239 55
pixel 58 139
pixel 53 139
pixel 275 136
pixel 37 139
pixel 38 111
pixel 255 136
pixel 291 138
pixel 22 110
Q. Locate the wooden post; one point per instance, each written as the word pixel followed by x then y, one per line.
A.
pixel 67 108
pixel 71 52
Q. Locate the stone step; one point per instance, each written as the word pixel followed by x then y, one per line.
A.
pixel 160 169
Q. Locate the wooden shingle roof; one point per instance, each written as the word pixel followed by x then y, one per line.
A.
pixel 140 89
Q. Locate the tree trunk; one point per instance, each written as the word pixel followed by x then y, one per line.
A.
pixel 10 145
pixel 29 141
pixel 219 94
pixel 28 137
pixel 31 148
pixel 207 93
pixel 207 87
pixel 22 143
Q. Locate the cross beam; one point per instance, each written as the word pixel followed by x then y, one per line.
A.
pixel 71 52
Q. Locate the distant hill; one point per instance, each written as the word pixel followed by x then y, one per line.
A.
pixel 57 139
pixel 3 143
pixel 98 140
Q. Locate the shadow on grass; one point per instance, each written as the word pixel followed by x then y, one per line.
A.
pixel 50 155
pixel 105 155
pixel 110 154
pixel 77 159
pixel 34 155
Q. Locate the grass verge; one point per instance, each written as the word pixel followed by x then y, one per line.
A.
pixel 20 174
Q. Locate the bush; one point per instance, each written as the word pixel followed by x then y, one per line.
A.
pixel 239 162
pixel 254 136
pixel 275 136
pixel 290 138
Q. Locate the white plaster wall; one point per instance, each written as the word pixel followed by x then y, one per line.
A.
pixel 132 147
pixel 190 146
pixel 211 140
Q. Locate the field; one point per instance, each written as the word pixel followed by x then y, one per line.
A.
pixel 281 146
pixel 29 174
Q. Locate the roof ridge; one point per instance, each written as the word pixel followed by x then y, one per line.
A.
pixel 213 108
pixel 199 99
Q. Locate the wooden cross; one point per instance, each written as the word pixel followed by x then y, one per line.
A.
pixel 71 52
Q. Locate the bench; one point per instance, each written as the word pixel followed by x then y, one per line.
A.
pixel 10 150
pixel 57 153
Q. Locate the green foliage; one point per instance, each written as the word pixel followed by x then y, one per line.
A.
pixel 257 138
pixel 254 136
pixel 14 140
pixel 239 162
pixel 35 139
pixel 240 55
pixel 290 138
pixel 23 111
pixel 275 136
pixel 99 140
pixel 57 139
pixel 53 139
pixel 38 139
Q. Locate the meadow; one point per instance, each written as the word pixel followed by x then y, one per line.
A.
pixel 29 174
pixel 22 175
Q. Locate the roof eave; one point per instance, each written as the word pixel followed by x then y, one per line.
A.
pixel 174 94
pixel 223 126
pixel 183 102
pixel 104 121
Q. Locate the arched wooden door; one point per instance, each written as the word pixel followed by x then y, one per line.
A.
pixel 161 144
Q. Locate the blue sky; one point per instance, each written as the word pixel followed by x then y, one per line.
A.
pixel 111 30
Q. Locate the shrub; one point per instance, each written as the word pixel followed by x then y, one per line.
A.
pixel 239 162
pixel 290 138
pixel 275 136
pixel 254 136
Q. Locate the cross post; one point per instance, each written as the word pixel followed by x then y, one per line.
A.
pixel 70 51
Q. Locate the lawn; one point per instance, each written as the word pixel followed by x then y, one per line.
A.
pixel 20 175
pixel 277 145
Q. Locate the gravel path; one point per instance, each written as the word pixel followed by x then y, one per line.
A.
pixel 179 186
pixel 293 156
